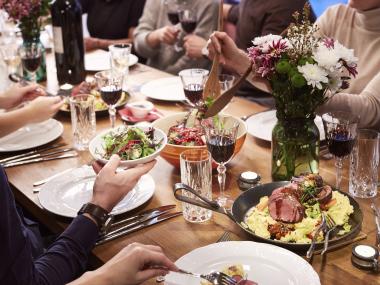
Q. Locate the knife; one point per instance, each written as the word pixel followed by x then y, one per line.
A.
pixel 11 164
pixel 144 218
pixel 144 214
pixel 43 181
pixel 32 152
pixel 138 227
pixel 41 155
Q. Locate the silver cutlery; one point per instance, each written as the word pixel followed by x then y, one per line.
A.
pixel 224 237
pixel 376 211
pixel 107 237
pixel 40 159
pixel 32 152
pixel 42 155
pixel 43 181
pixel 310 251
pixel 330 226
pixel 217 278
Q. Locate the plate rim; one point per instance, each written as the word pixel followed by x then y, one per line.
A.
pixel 48 189
pixel 170 78
pixel 234 244
pixel 59 133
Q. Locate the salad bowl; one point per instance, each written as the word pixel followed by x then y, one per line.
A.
pixel 145 151
pixel 171 152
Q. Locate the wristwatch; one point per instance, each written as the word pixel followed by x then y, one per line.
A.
pixel 102 217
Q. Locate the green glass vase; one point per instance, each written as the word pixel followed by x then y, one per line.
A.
pixel 295 148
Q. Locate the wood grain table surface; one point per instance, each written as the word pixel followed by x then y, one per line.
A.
pixel 176 236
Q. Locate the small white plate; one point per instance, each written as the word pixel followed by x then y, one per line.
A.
pixel 65 194
pixel 31 136
pixel 164 89
pixel 261 125
pixel 96 148
pixel 265 264
pixel 99 60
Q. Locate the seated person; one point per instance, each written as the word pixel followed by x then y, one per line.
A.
pixel 154 37
pixel 111 22
pixel 351 25
pixel 40 108
pixel 66 258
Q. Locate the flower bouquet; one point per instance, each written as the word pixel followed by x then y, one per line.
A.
pixel 303 70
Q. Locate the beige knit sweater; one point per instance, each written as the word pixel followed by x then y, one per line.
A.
pixel 358 30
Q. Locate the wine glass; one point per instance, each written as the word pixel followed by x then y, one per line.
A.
pixel 226 81
pixel 110 85
pixel 221 139
pixel 173 9
pixel 119 57
pixel 193 81
pixel 31 56
pixel 11 57
pixel 188 22
pixel 341 131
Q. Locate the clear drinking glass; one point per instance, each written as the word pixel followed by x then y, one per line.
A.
pixel 119 57
pixel 110 83
pixel 364 164
pixel 193 81
pixel 221 140
pixel 226 81
pixel 83 121
pixel 341 130
pixel 11 57
pixel 31 57
pixel 196 172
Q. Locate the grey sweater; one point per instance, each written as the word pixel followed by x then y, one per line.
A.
pixel 165 57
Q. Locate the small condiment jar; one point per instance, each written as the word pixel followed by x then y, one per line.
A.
pixel 365 257
pixel 248 179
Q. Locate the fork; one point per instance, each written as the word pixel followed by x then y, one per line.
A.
pixel 224 237
pixel 216 277
pixel 330 226
pixel 310 252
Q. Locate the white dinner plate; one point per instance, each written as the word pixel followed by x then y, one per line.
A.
pixel 265 264
pixel 99 60
pixel 31 136
pixel 164 89
pixel 261 125
pixel 65 194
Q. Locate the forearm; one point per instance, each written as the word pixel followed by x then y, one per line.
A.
pixel 240 63
pixel 13 120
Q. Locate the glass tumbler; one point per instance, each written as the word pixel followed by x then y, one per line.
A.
pixel 83 121
pixel 196 173
pixel 364 163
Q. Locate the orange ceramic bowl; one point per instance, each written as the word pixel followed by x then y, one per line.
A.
pixel 172 152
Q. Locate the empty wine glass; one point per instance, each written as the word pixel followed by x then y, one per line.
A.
pixel 341 131
pixel 11 57
pixel 31 56
pixel 226 81
pixel 193 81
pixel 110 84
pixel 221 136
pixel 119 58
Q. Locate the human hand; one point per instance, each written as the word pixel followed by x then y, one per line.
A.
pixel 167 35
pixel 91 43
pixel 43 108
pixel 230 55
pixel 133 265
pixel 111 187
pixel 16 94
pixel 193 45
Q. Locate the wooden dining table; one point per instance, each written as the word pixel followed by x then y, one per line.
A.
pixel 176 236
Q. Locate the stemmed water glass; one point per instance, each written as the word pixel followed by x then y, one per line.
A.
pixel 110 83
pixel 193 81
pixel 341 131
pixel 11 57
pixel 119 59
pixel 221 139
pixel 31 56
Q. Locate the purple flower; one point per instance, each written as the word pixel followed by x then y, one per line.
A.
pixel 328 42
pixel 18 9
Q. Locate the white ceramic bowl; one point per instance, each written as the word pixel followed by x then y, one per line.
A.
pixel 140 109
pixel 96 148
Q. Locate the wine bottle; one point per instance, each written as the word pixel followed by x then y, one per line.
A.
pixel 68 41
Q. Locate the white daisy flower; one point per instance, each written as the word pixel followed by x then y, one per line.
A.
pixel 327 58
pixel 265 42
pixel 346 54
pixel 314 75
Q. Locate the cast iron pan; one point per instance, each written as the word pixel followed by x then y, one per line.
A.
pixel 251 198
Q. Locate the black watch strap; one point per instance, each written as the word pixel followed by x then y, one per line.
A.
pixel 100 215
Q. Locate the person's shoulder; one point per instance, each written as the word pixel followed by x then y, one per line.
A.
pixel 339 11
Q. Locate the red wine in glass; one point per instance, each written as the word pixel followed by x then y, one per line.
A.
pixel 221 148
pixel 31 63
pixel 340 144
pixel 173 17
pixel 188 25
pixel 110 94
pixel 193 92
